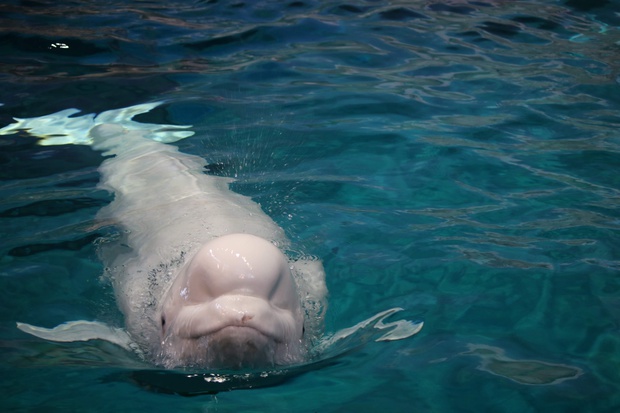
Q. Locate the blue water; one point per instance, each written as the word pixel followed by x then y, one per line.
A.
pixel 458 159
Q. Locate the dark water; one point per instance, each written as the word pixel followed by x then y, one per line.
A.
pixel 459 159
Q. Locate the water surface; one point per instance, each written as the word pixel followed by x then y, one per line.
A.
pixel 458 159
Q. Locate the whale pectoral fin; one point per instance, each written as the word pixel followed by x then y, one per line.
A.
pixel 81 331
pixel 399 329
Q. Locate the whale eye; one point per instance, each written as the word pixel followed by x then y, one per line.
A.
pixel 303 330
pixel 163 323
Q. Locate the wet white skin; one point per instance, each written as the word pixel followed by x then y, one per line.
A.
pixel 234 304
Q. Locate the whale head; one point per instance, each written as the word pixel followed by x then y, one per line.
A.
pixel 233 305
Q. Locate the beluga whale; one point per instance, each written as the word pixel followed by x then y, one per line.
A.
pixel 200 272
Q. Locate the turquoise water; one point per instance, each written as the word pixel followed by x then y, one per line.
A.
pixel 456 159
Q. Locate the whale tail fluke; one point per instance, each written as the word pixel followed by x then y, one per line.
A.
pixel 64 127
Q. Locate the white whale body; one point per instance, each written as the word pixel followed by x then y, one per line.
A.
pixel 198 270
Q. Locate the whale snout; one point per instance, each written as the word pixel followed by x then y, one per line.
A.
pixel 235 305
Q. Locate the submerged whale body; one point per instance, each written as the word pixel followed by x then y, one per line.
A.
pixel 198 270
pixel 227 297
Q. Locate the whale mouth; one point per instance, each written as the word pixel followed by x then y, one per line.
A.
pixel 235 311
pixel 243 328
pixel 239 347
pixel 232 332
pixel 230 347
